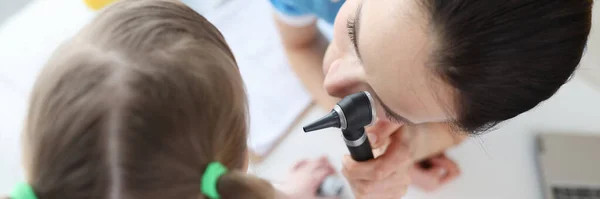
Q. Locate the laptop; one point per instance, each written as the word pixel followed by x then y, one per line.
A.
pixel 569 166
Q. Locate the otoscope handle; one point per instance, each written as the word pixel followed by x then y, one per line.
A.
pixel 361 153
pixel 358 144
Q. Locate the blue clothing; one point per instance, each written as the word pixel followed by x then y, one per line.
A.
pixel 322 9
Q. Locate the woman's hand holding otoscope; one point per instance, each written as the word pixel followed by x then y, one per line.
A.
pixel 351 115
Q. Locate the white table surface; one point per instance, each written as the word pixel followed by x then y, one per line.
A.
pixel 500 164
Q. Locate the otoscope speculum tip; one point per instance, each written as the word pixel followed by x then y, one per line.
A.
pixel 330 120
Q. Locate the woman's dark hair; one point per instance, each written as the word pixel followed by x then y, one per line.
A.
pixel 136 105
pixel 504 57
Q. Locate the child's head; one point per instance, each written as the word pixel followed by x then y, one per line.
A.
pixel 135 106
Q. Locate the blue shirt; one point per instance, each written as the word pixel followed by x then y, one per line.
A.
pixel 322 9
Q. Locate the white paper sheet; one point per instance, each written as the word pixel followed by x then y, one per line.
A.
pixel 276 96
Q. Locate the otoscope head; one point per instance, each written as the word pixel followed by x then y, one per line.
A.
pixel 352 112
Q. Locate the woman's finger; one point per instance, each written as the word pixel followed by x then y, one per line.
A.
pixel 383 173
pixel 380 131
pixel 358 170
pixel 396 155
pixel 359 187
pixel 392 187
pixel 370 170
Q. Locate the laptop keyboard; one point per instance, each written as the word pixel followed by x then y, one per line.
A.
pixel 575 193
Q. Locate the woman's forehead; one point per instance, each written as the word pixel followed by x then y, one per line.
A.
pixel 393 33
pixel 396 48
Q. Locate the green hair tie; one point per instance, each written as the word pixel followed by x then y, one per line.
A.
pixel 23 191
pixel 210 178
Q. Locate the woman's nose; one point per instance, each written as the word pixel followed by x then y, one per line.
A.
pixel 344 77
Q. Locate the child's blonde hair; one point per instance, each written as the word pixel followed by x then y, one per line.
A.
pixel 135 106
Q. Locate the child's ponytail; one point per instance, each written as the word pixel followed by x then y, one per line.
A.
pixel 218 183
pixel 235 184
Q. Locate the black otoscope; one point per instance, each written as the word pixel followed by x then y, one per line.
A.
pixel 351 114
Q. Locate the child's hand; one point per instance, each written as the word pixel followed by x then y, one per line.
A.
pixel 305 178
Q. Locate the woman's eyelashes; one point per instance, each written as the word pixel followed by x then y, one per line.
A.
pixel 393 119
pixel 351 27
